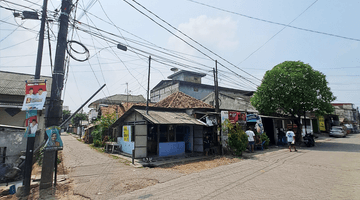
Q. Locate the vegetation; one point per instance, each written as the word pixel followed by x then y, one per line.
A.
pixel 101 130
pixel 293 88
pixel 264 137
pixel 77 118
pixel 65 114
pixel 237 138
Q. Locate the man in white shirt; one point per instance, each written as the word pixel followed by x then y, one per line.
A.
pixel 290 135
pixel 250 135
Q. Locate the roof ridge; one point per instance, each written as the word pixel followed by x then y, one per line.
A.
pixel 175 96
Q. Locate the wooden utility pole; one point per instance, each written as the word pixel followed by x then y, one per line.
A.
pixel 54 110
pixel 31 140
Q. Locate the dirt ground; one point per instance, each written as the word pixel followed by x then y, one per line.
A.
pixel 192 167
pixel 64 188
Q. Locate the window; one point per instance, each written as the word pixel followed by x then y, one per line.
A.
pixel 180 133
pixel 171 133
pixel 132 133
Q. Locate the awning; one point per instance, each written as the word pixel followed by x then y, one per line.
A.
pixel 166 117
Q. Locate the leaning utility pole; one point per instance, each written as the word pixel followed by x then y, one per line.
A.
pixel 54 110
pixel 31 140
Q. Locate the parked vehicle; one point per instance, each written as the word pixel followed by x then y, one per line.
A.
pixel 308 138
pixel 338 131
pixel 356 128
pixel 349 127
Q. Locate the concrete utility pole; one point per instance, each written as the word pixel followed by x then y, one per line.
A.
pixel 148 88
pixel 54 110
pixel 31 140
pixel 217 106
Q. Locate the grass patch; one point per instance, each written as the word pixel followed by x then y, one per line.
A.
pixel 99 149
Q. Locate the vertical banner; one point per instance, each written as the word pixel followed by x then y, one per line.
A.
pixel 54 141
pixel 35 95
pixel 31 123
pixel 321 123
pixel 126 133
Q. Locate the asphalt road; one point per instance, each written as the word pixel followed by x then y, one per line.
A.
pixel 331 170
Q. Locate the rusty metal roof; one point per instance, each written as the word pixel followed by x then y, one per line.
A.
pixel 167 117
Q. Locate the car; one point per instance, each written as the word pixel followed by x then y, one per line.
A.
pixel 338 131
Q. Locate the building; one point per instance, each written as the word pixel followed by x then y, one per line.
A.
pixel 12 118
pixel 346 111
pixel 158 132
pixel 189 83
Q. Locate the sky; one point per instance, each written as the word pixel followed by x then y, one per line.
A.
pixel 245 37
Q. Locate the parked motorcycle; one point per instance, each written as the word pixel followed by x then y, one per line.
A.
pixel 309 140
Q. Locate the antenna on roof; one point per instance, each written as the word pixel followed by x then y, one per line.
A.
pixel 174 69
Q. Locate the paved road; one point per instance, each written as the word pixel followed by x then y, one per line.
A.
pixel 331 170
pixel 99 176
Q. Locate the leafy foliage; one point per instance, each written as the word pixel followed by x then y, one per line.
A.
pixel 78 117
pixel 237 138
pixel 65 114
pixel 102 128
pixel 264 137
pixel 293 87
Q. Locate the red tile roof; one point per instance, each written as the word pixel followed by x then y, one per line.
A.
pixel 181 100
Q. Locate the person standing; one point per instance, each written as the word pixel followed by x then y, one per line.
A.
pixel 250 135
pixel 290 135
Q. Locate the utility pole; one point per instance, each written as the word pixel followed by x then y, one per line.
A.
pixel 147 98
pixel 127 95
pixel 54 110
pixel 217 107
pixel 31 140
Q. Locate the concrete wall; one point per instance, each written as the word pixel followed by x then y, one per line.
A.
pixel 195 91
pixel 14 141
pixel 161 94
pixel 140 141
pixel 16 120
pixel 171 148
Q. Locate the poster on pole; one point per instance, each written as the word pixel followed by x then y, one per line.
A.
pixel 321 123
pixel 54 141
pixel 31 123
pixel 35 95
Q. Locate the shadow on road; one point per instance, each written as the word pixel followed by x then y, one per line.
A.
pixel 351 143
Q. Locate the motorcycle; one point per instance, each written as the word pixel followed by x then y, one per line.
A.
pixel 309 140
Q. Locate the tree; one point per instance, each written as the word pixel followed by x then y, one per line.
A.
pixel 66 114
pixel 293 88
pixel 77 118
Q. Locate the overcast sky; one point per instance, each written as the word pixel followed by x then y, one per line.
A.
pixel 247 38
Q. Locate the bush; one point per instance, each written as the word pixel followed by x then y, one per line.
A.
pixel 264 137
pixel 237 138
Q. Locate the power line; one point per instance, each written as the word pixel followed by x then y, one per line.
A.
pixel 191 40
pixel 277 23
pixel 277 33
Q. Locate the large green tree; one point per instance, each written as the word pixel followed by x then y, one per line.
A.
pixel 293 88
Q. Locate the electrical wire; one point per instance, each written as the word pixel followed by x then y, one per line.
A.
pixel 190 39
pixel 277 23
pixel 276 33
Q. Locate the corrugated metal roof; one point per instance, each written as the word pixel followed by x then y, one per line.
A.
pixel 118 99
pixel 166 117
pixel 12 83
